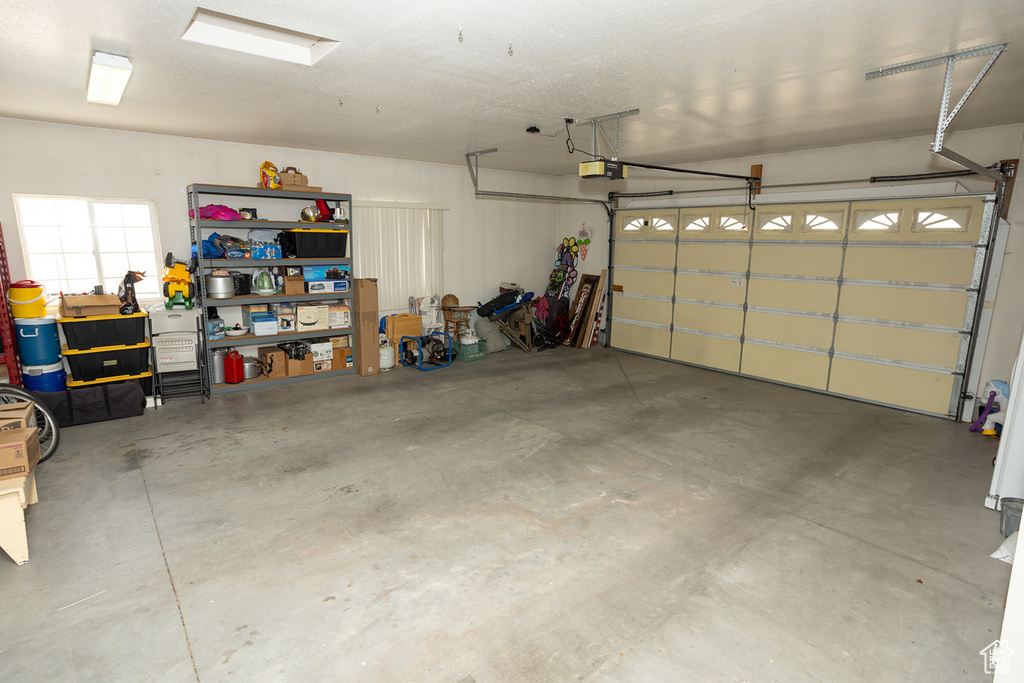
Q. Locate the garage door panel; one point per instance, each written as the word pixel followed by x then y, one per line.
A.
pixel 654 283
pixel 649 340
pixel 934 266
pixel 728 257
pixel 708 318
pixel 712 352
pixel 793 295
pixel 721 288
pixel 789 329
pixel 923 306
pixel 654 311
pixel 786 365
pixel 806 261
pixel 920 220
pixel 648 254
pixel 909 387
pixel 922 347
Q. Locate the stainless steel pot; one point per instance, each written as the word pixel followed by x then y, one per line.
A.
pixel 220 286
pixel 251 367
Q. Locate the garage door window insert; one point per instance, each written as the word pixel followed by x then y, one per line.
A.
pixel 72 244
pixel 879 221
pixel 827 222
pixel 949 220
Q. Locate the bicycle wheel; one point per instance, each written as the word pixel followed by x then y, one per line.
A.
pixel 46 423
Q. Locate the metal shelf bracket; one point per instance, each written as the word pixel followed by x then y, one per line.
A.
pixel 946 115
pixel 597 125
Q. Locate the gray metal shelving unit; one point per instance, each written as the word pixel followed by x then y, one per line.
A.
pixel 197 228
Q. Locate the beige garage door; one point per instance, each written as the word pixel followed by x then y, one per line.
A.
pixel 711 281
pixel 795 261
pixel 909 293
pixel 870 300
pixel 642 281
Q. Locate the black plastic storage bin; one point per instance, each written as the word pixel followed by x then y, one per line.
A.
pixel 104 330
pixel 315 243
pixel 110 361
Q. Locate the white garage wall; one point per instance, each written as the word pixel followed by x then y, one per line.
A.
pixel 486 241
pixel 892 157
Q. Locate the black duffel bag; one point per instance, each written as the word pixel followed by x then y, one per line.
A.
pixel 497 303
pixel 98 403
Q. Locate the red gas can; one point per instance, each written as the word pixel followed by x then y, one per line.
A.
pixel 234 367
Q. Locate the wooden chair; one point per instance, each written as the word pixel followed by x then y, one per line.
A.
pixel 456 317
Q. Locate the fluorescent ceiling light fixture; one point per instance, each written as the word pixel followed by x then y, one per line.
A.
pixel 250 37
pixel 107 78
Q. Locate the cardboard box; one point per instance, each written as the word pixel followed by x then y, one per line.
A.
pixel 247 312
pixel 323 354
pixel 17 415
pixel 299 368
pixel 366 324
pixel 294 284
pixel 321 350
pixel 326 286
pixel 19 452
pixel 303 188
pixel 283 308
pixel 291 176
pixel 275 361
pixel 343 358
pixel 285 313
pixel 339 316
pixel 296 188
pixel 78 305
pixel 289 270
pixel 314 273
pixel 341 342
pixel 310 318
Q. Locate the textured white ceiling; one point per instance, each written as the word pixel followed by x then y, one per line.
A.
pixel 712 79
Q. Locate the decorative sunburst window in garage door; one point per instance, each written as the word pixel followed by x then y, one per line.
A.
pixel 824 222
pixel 732 223
pixel 953 220
pixel 697 224
pixel 652 225
pixel 877 221
pixel 775 222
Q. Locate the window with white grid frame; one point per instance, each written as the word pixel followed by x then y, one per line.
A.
pixel 73 244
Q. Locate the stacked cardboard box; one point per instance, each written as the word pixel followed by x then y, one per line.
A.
pixel 367 347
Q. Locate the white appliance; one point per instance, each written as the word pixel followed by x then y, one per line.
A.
pixel 1008 477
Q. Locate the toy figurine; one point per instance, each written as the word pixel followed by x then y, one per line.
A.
pixel 126 292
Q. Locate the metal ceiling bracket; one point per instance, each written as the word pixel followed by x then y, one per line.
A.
pixel 474 165
pixel 596 124
pixel 967 163
pixel 945 115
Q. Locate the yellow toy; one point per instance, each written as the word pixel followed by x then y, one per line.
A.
pixel 178 285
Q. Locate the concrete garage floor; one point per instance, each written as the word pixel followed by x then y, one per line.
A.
pixel 562 516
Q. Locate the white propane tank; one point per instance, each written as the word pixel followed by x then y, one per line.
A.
pixel 387 357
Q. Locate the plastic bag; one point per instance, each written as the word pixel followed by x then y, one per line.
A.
pixel 269 177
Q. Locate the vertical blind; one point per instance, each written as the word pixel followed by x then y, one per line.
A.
pixel 400 247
